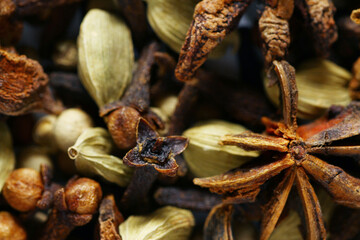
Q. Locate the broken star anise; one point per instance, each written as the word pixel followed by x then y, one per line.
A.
pixel 293 150
pixel 151 149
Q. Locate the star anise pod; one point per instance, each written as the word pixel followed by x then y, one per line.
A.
pixel 293 150
pixel 151 149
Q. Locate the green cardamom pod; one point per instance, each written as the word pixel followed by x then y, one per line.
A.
pixel 171 26
pixel 163 224
pixel 91 155
pixel 106 56
pixel 7 155
pixel 205 157
pixel 320 83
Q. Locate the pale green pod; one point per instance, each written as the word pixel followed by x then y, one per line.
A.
pixel 91 155
pixel 171 26
pixel 7 155
pixel 205 157
pixel 106 56
pixel 163 224
pixel 320 83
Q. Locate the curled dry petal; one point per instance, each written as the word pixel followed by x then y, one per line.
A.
pixel 23 85
pixel 212 21
pixel 274 208
pixel 343 188
pixel 314 220
pixel 244 185
pixel 344 125
pixel 253 141
pixel 218 223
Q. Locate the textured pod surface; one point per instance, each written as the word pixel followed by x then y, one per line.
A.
pixel 106 56
pixel 7 155
pixel 206 157
pixel 91 155
pixel 321 84
pixel 165 223
pixel 171 26
pixel 23 82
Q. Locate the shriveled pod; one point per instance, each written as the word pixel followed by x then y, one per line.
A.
pixel 23 86
pixel 91 153
pixel 206 157
pixel 165 223
pixel 7 155
pixel 171 26
pixel 320 83
pixel 106 56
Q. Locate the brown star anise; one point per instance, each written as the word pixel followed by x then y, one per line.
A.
pixel 214 19
pixel 293 150
pixel 151 149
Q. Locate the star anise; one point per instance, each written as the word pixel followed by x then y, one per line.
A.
pixel 214 19
pixel 293 150
pixel 151 149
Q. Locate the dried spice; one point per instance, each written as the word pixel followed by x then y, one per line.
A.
pixel 355 16
pixel 156 151
pixel 320 83
pixel 274 28
pixel 33 157
pixel 10 228
pixel 109 219
pixel 11 29
pixel 74 206
pixel 104 39
pixel 7 155
pixel 23 86
pixel 354 85
pixel 66 55
pixel 294 149
pixel 91 153
pixel 218 223
pixel 319 14
pixel 165 223
pixel 203 153
pixel 212 21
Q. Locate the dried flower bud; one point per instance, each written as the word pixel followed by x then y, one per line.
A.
pixel 66 55
pixel 43 132
pixel 33 157
pixel 106 56
pixel 321 84
pixel 23 188
pixel 23 86
pixel 91 155
pixel 205 157
pixel 10 228
pixel 83 196
pixel 69 125
pixel 165 223
pixel 171 26
pixel 7 156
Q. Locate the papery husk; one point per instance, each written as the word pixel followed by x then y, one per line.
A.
pixel 106 56
pixel 91 155
pixel 7 155
pixel 320 83
pixel 205 157
pixel 288 228
pixel 163 224
pixel 171 19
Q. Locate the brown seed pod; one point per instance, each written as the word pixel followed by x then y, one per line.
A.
pixel 10 228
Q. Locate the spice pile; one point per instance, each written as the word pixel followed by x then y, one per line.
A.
pixel 168 119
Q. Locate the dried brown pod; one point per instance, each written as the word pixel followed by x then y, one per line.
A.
pixel 109 219
pixel 23 86
pixel 212 21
